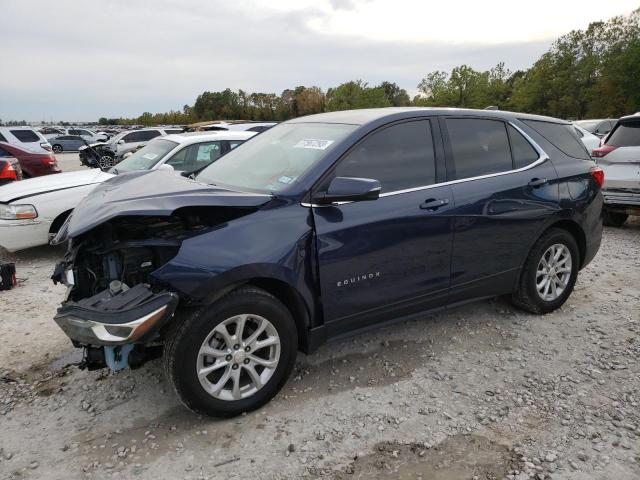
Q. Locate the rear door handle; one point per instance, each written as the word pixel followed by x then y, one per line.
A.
pixel 537 182
pixel 434 203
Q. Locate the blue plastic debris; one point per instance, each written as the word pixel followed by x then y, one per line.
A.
pixel 117 358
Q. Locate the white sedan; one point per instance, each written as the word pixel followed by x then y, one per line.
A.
pixel 32 211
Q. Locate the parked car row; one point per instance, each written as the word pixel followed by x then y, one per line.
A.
pixel 113 151
pixel 45 203
pixel 85 133
pixel 31 150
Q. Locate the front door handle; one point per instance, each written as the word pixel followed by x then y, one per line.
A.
pixel 537 182
pixel 434 203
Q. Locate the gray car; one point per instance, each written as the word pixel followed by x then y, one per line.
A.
pixel 67 143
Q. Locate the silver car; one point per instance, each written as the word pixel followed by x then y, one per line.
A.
pixel 67 143
pixel 129 141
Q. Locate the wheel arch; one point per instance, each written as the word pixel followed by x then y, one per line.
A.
pixel 576 231
pixel 290 297
pixel 59 220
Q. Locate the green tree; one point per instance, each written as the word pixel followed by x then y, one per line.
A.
pixel 354 95
pixel 398 97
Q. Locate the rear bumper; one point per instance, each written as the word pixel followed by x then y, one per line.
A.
pixel 629 198
pixel 132 316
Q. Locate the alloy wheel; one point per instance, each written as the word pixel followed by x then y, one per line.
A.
pixel 238 357
pixel 106 162
pixel 553 272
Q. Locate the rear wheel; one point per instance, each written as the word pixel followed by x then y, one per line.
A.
pixel 549 273
pixel 614 219
pixel 233 356
pixel 56 148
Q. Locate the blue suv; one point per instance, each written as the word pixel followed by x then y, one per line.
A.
pixel 320 227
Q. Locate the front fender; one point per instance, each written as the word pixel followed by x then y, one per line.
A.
pixel 273 243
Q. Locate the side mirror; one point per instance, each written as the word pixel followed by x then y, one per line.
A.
pixel 120 142
pixel 348 189
pixel 164 166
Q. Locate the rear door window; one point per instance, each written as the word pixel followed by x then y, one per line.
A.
pixel 627 134
pixel 478 146
pixel 400 157
pixel 26 136
pixel 562 136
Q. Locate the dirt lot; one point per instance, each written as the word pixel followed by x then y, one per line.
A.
pixel 479 392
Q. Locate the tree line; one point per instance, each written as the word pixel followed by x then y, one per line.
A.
pixel 589 73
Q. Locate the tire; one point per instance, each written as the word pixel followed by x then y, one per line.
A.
pixel 614 219
pixel 527 296
pixel 57 148
pixel 105 162
pixel 192 332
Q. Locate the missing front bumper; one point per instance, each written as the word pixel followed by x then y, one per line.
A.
pixel 131 316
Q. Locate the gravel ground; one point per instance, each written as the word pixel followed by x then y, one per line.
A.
pixel 478 392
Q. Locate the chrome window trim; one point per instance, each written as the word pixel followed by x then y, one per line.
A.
pixel 542 157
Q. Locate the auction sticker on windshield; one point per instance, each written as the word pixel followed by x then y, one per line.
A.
pixel 150 156
pixel 313 143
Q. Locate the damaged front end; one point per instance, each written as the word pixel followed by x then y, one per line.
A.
pixel 115 308
pixel 118 237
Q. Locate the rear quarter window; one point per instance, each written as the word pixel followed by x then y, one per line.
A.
pixel 626 134
pixel 26 136
pixel 562 136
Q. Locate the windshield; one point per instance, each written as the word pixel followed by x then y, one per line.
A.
pixel 273 160
pixel 146 157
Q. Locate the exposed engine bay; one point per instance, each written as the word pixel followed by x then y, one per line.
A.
pixel 128 249
pixel 115 309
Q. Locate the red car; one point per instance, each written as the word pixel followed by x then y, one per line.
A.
pixel 10 170
pixel 32 164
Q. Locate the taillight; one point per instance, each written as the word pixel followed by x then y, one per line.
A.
pixel 598 175
pixel 8 172
pixel 49 161
pixel 602 151
pixel 46 146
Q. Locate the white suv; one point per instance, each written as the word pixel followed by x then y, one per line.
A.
pixel 619 157
pixel 127 141
pixel 25 138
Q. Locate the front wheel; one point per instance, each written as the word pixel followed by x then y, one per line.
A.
pixel 233 356
pixel 105 162
pixel 549 273
pixel 614 219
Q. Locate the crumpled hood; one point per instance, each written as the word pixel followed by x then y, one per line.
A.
pixel 156 192
pixel 24 189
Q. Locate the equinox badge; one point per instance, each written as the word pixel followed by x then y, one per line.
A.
pixel 359 278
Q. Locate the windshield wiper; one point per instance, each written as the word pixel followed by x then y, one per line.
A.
pixel 115 170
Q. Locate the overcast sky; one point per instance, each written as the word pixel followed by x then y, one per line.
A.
pixel 79 60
